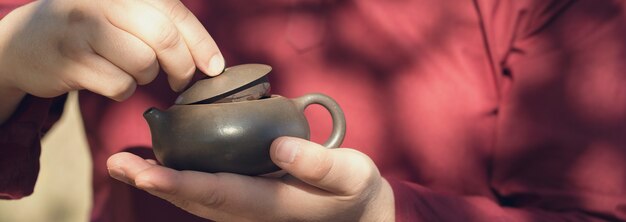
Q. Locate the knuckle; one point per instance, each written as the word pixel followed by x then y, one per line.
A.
pixel 367 167
pixel 145 61
pixel 322 169
pixel 168 38
pixel 178 12
pixel 75 16
pixel 211 197
pixel 120 89
pixel 366 173
pixel 146 68
pixel 72 49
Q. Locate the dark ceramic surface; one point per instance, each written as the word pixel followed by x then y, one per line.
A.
pixel 232 131
pixel 232 79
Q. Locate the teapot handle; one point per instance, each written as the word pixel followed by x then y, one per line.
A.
pixel 339 120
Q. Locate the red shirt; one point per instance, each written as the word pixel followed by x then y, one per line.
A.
pixel 479 110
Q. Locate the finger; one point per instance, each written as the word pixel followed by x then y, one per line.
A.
pixel 203 48
pixel 156 30
pixel 226 197
pixel 339 171
pixel 98 75
pixel 125 51
pixel 229 197
pixel 193 191
pixel 125 166
pixel 210 190
pixel 206 195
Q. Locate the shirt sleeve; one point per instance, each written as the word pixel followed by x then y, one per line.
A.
pixel 20 135
pixel 560 147
pixel 20 145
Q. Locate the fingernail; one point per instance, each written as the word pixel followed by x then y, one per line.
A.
pixel 118 174
pixel 287 150
pixel 216 65
pixel 178 100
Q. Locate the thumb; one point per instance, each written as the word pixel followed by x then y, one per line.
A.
pixel 340 171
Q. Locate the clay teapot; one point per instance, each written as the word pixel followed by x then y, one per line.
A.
pixel 227 123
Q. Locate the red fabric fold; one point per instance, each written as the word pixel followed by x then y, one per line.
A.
pixel 415 203
pixel 20 144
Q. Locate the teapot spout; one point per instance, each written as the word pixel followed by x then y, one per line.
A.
pixel 153 114
pixel 156 121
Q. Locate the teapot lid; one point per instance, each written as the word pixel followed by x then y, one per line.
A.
pixel 233 78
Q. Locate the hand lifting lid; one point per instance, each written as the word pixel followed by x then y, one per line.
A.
pixel 227 123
